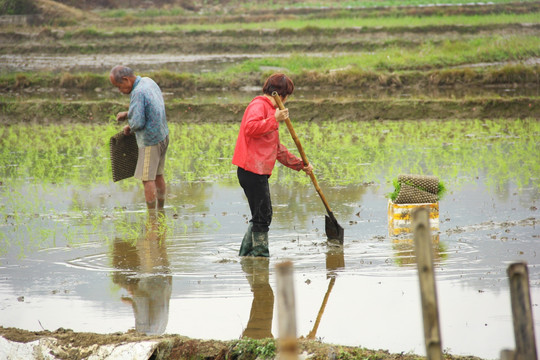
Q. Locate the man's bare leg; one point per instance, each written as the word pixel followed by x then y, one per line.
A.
pixel 150 194
pixel 161 189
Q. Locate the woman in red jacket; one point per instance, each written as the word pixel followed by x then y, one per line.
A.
pixel 257 149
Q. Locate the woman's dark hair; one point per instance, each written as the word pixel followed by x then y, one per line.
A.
pixel 280 83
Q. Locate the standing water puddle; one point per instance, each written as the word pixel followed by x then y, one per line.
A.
pixel 84 255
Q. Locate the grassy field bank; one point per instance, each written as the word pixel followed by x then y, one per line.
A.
pixel 344 48
pixel 88 112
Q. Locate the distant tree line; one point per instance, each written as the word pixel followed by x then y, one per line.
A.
pixel 17 7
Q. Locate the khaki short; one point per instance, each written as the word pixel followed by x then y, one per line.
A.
pixel 151 161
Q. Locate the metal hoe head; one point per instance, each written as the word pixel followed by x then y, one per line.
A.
pixel 334 231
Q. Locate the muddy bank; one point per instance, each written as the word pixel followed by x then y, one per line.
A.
pixel 323 110
pixel 504 74
pixel 235 13
pixel 77 346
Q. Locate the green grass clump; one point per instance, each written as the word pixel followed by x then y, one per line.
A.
pixel 254 349
pixel 83 81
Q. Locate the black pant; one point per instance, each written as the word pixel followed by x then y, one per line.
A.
pixel 257 192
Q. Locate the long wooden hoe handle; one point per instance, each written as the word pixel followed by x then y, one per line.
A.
pixel 277 98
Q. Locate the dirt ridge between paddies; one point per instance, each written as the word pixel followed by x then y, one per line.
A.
pixel 52 111
pixel 507 74
pixel 226 41
pixel 72 345
pixel 230 14
pixel 237 14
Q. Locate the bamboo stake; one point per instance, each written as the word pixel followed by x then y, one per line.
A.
pixel 518 274
pixel 428 292
pixel 288 345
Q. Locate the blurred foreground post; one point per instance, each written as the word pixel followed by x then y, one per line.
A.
pixel 428 293
pixel 518 275
pixel 507 354
pixel 288 347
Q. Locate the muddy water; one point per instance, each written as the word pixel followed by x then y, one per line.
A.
pixel 88 257
pixel 142 62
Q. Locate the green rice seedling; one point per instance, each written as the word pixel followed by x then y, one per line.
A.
pixel 202 152
pixel 397 187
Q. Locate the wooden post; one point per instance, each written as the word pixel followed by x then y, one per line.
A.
pixel 288 346
pixel 507 354
pixel 518 275
pixel 423 249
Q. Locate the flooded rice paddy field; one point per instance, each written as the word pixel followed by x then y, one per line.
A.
pixel 79 251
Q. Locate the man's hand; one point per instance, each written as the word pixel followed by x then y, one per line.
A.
pixel 127 130
pixel 121 116
pixel 308 169
pixel 281 115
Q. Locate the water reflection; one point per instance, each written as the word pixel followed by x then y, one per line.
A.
pixel 143 270
pixel 335 260
pixel 259 325
pixel 404 249
pixel 400 231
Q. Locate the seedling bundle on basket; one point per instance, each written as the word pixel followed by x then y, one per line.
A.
pixel 417 189
pixel 410 192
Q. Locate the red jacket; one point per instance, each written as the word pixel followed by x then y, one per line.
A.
pixel 258 147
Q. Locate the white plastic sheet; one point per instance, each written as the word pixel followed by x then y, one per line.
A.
pixel 45 347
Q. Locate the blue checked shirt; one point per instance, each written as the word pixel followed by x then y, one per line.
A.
pixel 146 114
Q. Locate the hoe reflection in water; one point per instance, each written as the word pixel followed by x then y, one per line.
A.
pixel 335 261
pixel 143 270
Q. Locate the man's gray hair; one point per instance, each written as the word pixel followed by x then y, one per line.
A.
pixel 120 71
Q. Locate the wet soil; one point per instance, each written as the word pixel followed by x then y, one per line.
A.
pixel 74 346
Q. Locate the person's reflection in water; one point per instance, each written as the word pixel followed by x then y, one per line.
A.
pixel 259 325
pixel 144 273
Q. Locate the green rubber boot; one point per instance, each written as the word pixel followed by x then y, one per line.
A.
pixel 260 244
pixel 247 242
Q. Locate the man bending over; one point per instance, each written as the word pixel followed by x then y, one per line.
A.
pixel 146 118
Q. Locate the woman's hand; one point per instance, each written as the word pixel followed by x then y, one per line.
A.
pixel 308 169
pixel 127 130
pixel 121 116
pixel 281 115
